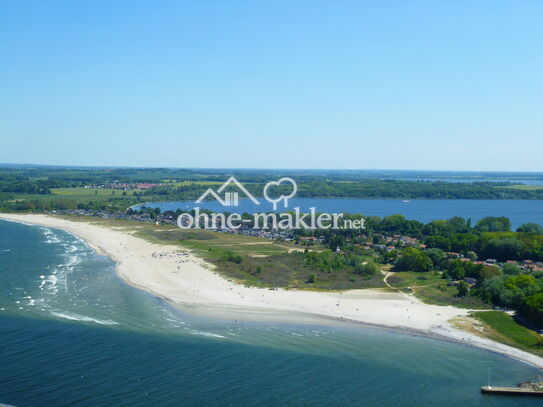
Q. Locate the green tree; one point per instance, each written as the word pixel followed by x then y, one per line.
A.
pixel 530 228
pixel 456 270
pixel 493 224
pixel 471 255
pixel 463 289
pixel 511 269
pixel 532 308
pixel 520 283
pixel 507 248
pixel 438 257
pixel 366 270
pixel 412 259
pixel 439 242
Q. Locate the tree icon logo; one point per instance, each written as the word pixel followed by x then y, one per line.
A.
pixel 284 198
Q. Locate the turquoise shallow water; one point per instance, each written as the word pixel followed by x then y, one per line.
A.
pixel 72 333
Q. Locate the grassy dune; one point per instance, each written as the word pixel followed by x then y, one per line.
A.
pixel 432 289
pixel 249 260
pixel 502 327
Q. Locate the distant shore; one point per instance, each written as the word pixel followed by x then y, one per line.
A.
pixel 180 277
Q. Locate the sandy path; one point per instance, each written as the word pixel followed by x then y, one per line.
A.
pixel 188 281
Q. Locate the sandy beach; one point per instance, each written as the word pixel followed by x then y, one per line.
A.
pixel 187 281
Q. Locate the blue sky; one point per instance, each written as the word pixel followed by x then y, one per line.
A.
pixel 443 85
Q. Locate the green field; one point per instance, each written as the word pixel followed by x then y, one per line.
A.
pixel 523 187
pixel 432 289
pixel 69 198
pixel 183 183
pixel 89 192
pixel 503 328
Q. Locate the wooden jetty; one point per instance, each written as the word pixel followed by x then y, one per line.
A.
pixel 514 391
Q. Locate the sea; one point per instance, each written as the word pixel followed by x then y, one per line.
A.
pixel 74 334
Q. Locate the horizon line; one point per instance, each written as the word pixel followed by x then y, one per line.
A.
pixel 262 168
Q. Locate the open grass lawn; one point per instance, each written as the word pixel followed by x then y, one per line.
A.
pixel 203 240
pixel 502 327
pixel 402 279
pixel 442 294
pixel 432 289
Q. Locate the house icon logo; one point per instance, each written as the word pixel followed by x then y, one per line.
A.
pixel 230 198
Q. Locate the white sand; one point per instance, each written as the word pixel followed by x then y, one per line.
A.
pixel 189 282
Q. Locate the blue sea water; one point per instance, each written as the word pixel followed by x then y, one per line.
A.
pixel 73 334
pixel 423 210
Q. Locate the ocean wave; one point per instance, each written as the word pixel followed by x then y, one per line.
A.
pixel 175 322
pixel 73 260
pixel 49 283
pixel 52 240
pixel 18 221
pixel 50 280
pixel 207 334
pixel 82 318
pixel 59 276
pixel 50 236
pixel 33 301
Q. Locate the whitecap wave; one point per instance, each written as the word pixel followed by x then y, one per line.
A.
pixel 82 318
pixel 17 221
pixel 49 283
pixel 175 322
pixel 207 334
pixel 50 236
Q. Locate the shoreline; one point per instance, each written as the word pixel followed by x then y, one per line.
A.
pixel 178 276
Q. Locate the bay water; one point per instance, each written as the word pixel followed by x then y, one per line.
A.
pixel 424 210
